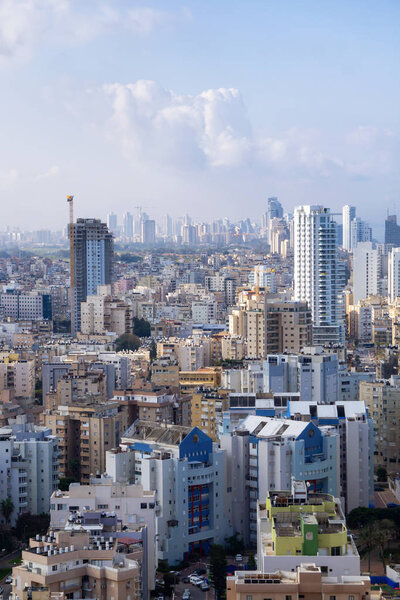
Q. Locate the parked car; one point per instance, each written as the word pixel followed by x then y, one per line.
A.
pixel 185 580
pixel 200 571
pixel 195 580
pixel 186 594
pixel 239 558
pixel 8 579
pixel 204 586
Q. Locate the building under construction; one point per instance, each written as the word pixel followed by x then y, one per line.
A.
pixel 91 259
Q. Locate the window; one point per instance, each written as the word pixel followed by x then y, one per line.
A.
pixel 249 597
pixel 144 504
pixel 335 551
pixel 332 597
pixel 351 597
pixel 288 597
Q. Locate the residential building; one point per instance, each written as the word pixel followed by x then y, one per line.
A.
pixel 85 432
pixel 165 373
pixel 207 407
pixel 25 306
pixel 148 231
pixel 307 581
pixel 394 274
pixel 366 271
pixel 348 214
pixel 77 563
pixel 382 399
pixel 288 326
pixel 298 523
pixel 360 232
pixel 264 453
pixel 208 377
pixel 317 271
pixel 132 507
pixel 18 375
pixel 392 231
pixel 188 472
pixel 91 262
pixel 313 373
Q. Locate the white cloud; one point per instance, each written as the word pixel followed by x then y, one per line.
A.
pixel 24 24
pixel 8 178
pixel 53 171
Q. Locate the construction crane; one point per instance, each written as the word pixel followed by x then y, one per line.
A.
pixel 70 200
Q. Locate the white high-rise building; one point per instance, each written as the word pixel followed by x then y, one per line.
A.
pixel 349 213
pixel 366 271
pixel 360 231
pixel 394 274
pixel 127 224
pixel 318 273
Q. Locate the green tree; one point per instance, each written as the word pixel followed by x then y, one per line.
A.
pixel 64 483
pixel 153 350
pixel 127 341
pixel 234 545
pixel 28 525
pixel 251 563
pixel 74 468
pixel 7 509
pixel 141 327
pixel 218 570
pixel 367 541
pixel 384 533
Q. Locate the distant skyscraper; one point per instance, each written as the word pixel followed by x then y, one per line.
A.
pixel 148 233
pixel 392 231
pixel 349 213
pixel 112 222
pixel 274 211
pixel 92 261
pixel 360 231
pixel 127 224
pixel 317 270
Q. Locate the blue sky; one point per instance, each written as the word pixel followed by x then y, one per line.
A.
pixel 205 107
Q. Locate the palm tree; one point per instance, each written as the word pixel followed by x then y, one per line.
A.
pixel 368 541
pixel 7 508
pixel 385 533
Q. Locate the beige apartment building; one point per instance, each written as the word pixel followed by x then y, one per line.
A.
pixel 102 313
pixel 165 372
pixel 79 565
pixel 306 582
pixel 158 405
pixel 17 375
pixel 383 403
pixel 207 408
pixel 208 377
pixel 85 432
pixel 271 326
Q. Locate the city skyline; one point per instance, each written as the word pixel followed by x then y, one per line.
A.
pixel 302 105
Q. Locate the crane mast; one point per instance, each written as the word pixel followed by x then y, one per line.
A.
pixel 70 200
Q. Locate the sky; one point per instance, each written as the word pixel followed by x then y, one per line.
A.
pixel 205 107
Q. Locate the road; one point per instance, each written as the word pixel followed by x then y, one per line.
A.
pixel 382 499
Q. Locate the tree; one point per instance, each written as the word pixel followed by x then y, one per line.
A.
pixel 384 533
pixel 367 541
pixel 153 350
pixel 381 474
pixel 251 563
pixel 218 570
pixel 234 545
pixel 74 468
pixel 28 525
pixel 127 341
pixel 7 509
pixel 64 483
pixel 141 327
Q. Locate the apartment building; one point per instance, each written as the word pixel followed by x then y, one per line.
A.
pixel 264 453
pixel 130 506
pixel 86 431
pixel 101 313
pixel 299 524
pixel 158 405
pixel 208 377
pixel 188 472
pixel 288 326
pixel 165 373
pixel 80 565
pixel 207 409
pixel 17 375
pixel 307 581
pixel 382 399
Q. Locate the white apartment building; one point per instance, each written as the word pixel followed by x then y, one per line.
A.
pixel 133 507
pixel 366 271
pixel 348 214
pixel 204 311
pixel 188 473
pixel 394 274
pixel 317 270
pixel 360 232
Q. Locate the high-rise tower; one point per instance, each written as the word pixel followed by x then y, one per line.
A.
pixel 318 274
pixel 91 255
pixel 349 213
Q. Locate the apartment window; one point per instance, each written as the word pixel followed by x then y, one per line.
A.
pixel 143 505
pixel 288 597
pixel 351 597
pixel 335 551
pixel 332 597
pixel 249 597
pixel 54 568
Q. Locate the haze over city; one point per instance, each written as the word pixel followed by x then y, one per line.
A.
pixel 204 108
